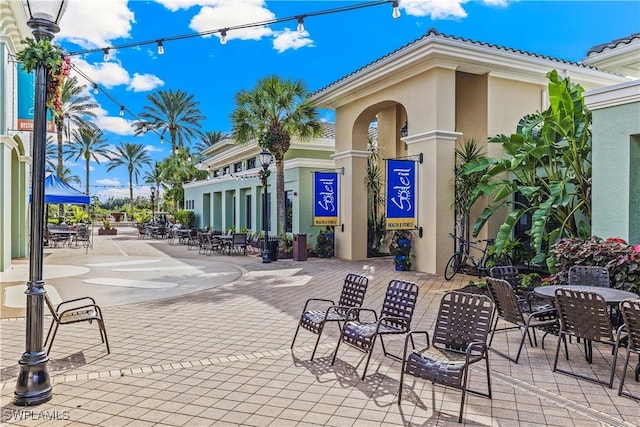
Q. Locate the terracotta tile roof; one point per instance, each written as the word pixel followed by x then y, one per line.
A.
pixel 432 32
pixel 613 44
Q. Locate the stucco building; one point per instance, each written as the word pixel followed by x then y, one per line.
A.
pixel 446 89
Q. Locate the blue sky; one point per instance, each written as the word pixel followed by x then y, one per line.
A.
pixel 332 46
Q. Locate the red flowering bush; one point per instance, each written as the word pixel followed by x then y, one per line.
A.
pixel 55 81
pixel 621 259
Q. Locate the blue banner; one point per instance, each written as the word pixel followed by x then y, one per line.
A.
pixel 401 195
pixel 26 94
pixel 325 198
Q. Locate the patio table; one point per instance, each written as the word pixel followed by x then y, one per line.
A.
pixel 611 296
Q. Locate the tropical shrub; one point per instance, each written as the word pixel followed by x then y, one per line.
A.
pixel 186 218
pixel 622 260
pixel 547 161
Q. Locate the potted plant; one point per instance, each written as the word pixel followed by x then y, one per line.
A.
pixel 400 249
pixel 324 246
pixel 106 229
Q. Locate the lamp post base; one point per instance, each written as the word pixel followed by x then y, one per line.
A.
pixel 34 385
pixel 266 256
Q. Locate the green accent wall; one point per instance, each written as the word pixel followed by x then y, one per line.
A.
pixel 616 172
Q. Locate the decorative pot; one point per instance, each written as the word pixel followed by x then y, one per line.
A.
pixel 107 232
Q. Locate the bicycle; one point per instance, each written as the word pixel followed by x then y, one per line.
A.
pixel 462 259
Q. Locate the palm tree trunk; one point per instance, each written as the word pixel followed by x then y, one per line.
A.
pixel 86 165
pixel 280 206
pixel 131 192
pixel 60 165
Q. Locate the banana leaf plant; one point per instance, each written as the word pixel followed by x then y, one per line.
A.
pixel 548 161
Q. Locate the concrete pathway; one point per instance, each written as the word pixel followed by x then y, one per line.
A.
pixel 194 346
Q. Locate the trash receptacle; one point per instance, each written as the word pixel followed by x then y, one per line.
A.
pixel 273 249
pixel 299 247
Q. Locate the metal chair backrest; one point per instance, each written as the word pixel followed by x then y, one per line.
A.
pixel 353 292
pixel 631 314
pixel 462 319
pixel 400 301
pixel 504 299
pixel 506 272
pixel 584 314
pixel 239 239
pixel 589 275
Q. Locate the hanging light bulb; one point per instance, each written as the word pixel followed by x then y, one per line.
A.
pixel 160 48
pixel 189 158
pixel 396 10
pixel 122 111
pixel 301 24
pixel 161 139
pixel 105 58
pixel 95 88
pixel 223 36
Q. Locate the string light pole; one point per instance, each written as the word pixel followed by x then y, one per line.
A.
pixel 265 158
pixel 33 385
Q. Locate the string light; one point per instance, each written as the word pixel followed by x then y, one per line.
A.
pixel 161 139
pixel 224 31
pixel 396 10
pixel 121 110
pixel 160 48
pixel 105 58
pixel 301 24
pixel 95 88
pixel 223 36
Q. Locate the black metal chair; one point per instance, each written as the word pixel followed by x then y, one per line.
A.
pixel 314 320
pixel 631 314
pixel 395 318
pixel 238 242
pixel 506 272
pixel 75 310
pixel 589 275
pixel 509 309
pixel 459 340
pixel 584 315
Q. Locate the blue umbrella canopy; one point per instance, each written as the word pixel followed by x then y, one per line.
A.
pixel 56 191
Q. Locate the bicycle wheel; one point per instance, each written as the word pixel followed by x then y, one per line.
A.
pixel 453 265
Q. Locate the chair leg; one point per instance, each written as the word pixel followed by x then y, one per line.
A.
pixel 103 334
pixel 295 336
pixel 335 353
pixel 53 337
pixel 317 341
pixel 366 365
pixel 621 391
pixel 49 333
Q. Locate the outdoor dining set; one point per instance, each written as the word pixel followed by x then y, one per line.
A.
pixel 78 235
pixel 209 241
pixel 586 310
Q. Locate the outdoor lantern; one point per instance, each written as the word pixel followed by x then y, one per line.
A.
pixel 405 130
pixel 265 158
pixel 33 385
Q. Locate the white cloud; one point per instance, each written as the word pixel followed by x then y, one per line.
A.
pixel 117 125
pixel 230 13
pixel 107 74
pixel 92 24
pixel 443 9
pixel 150 148
pixel 108 181
pixel 144 82
pixel 287 39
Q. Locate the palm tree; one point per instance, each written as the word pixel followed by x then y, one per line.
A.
pixel 51 155
pixel 75 108
pixel 209 138
pixel 155 176
pixel 177 169
pixel 133 156
pixel 88 143
pixel 174 112
pixel 271 113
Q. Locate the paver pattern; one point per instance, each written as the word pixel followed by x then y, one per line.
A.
pixel 216 351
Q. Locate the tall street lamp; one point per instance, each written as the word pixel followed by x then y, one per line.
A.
pixel 33 386
pixel 265 158
pixel 153 199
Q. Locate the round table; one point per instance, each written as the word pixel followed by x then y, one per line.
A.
pixel 610 295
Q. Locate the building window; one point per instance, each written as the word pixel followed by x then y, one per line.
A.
pixel 251 163
pixel 288 211
pixel 227 170
pixel 237 167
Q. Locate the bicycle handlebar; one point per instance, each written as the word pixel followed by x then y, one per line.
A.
pixel 472 242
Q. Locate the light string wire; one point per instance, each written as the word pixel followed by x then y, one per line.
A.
pixel 234 27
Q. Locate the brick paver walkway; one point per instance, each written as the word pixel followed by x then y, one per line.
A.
pixel 221 356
